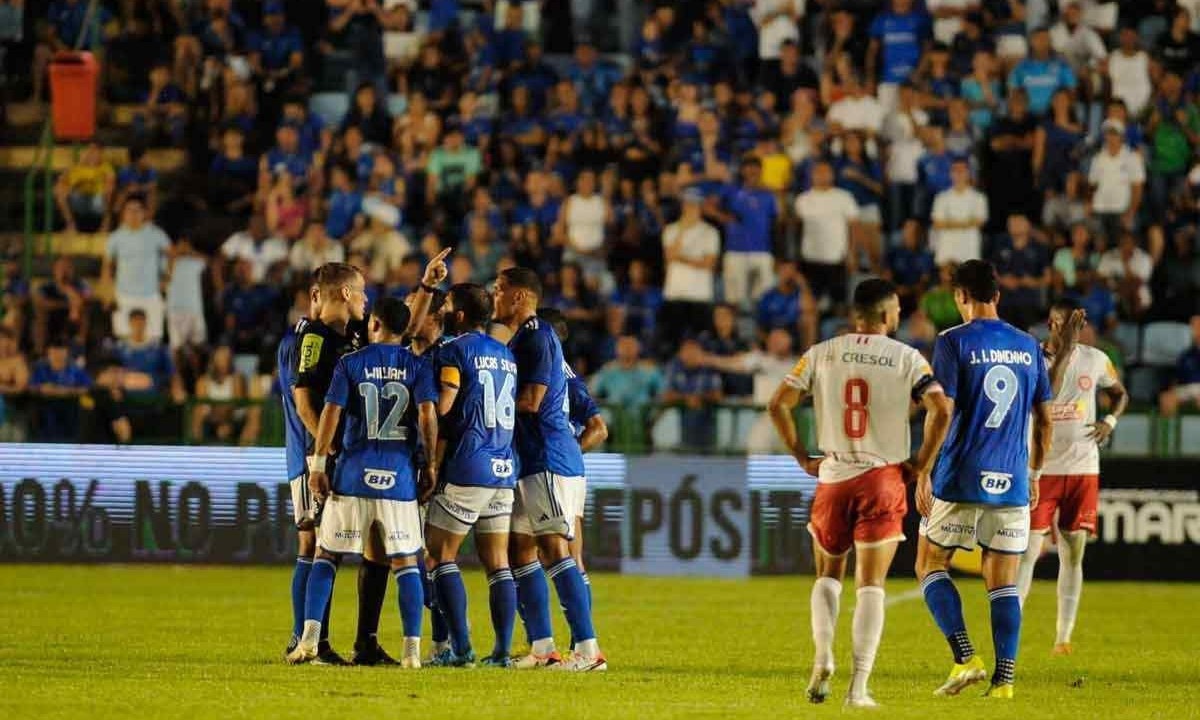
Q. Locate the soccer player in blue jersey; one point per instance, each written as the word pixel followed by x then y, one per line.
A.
pixel 477 398
pixel 986 478
pixel 296 449
pixel 385 395
pixel 586 422
pixel 551 488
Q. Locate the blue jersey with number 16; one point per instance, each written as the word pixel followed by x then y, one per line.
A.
pixel 995 374
pixel 479 427
pixel 379 388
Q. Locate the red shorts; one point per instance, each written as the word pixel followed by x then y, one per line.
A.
pixel 1075 497
pixel 868 510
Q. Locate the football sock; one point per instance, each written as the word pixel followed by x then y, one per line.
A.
pixel 867 629
pixel 1028 562
pixel 826 593
pixel 325 617
pixel 1070 581
pixel 502 599
pixel 372 589
pixel 317 598
pixel 412 599
pixel 568 581
pixel 946 606
pixel 1006 631
pixel 299 585
pixel 587 582
pixel 440 631
pixel 452 599
pixel 534 597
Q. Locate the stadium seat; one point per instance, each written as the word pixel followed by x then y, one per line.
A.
pixel 1143 384
pixel 831 326
pixel 397 104
pixel 331 107
pixel 1189 441
pixel 1164 342
pixel 1129 337
pixel 1041 331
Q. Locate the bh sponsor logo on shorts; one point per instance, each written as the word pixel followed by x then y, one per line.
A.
pixel 379 479
pixel 502 468
pixel 995 483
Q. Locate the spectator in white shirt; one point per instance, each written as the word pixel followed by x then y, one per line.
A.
pixel 257 245
pixel 138 248
pixel 1129 71
pixel 1078 44
pixel 856 111
pixel 1128 268
pixel 827 213
pixel 776 21
pixel 314 250
pixel 1117 177
pixel 691 248
pixel 948 17
pixel 904 150
pixel 959 215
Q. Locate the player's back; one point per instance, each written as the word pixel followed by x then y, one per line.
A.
pixel 579 401
pixel 479 428
pixel 545 441
pixel 382 385
pixel 995 374
pixel 862 387
pixel 295 434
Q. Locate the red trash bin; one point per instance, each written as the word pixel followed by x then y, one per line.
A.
pixel 73 78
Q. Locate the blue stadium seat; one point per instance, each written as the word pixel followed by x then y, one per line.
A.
pixel 1143 384
pixel 1164 342
pixel 1129 337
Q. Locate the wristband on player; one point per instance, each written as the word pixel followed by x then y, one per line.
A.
pixel 316 463
pixel 1035 474
pixel 428 288
pixel 1111 421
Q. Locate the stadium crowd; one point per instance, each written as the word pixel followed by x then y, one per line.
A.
pixel 698 203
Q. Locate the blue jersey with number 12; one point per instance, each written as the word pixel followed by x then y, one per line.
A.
pixel 379 388
pixel 479 427
pixel 545 440
pixel 995 374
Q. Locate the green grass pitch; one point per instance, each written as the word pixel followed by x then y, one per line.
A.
pixel 199 642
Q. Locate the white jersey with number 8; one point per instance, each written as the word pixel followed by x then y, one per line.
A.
pixel 861 387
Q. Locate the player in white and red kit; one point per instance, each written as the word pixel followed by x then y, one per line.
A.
pixel 1071 476
pixel 862 385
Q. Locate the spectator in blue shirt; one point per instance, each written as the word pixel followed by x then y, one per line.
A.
pixel 147 368
pixel 933 169
pixel 247 307
pixel 938 85
pixel 910 267
pixel 164 113
pixel 138 178
pixel 343 213
pixel 627 383
pixel 788 306
pixel 288 156
pixel 592 76
pixel 723 341
pixel 1097 299
pixel 1023 266
pixel 898 39
pixel 1041 74
pixel 1185 386
pixel 509 42
pixel 537 75
pixel 233 175
pixel 641 301
pixel 694 388
pixel 60 384
pixel 749 216
pixel 276 53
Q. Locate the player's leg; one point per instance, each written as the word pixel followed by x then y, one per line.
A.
pixel 1040 519
pixel 948 527
pixel 832 533
pixel 1004 534
pixel 400 523
pixel 306 548
pixel 560 503
pixel 1076 519
pixel 444 535
pixel 576 545
pixel 439 629
pixel 491 543
pixel 344 524
pixel 372 590
pixel 316 605
pixel 533 597
pixel 880 506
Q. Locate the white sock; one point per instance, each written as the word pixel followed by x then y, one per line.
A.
pixel 1070 581
pixel 825 595
pixel 1028 561
pixel 412 647
pixel 589 649
pixel 867 630
pixel 545 646
pixel 312 633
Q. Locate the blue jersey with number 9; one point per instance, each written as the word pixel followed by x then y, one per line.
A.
pixel 995 374
pixel 479 427
pixel 379 388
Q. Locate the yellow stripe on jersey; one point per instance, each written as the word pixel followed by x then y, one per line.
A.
pixel 450 376
pixel 798 368
pixel 1111 370
pixel 310 351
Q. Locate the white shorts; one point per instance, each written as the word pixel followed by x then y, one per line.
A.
pixel 547 504
pixel 1191 391
pixel 870 215
pixel 153 306
pixel 458 508
pixel 962 525
pixel 302 501
pixel 346 522
pixel 186 328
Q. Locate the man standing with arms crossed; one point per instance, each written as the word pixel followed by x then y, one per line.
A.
pixel 861 384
